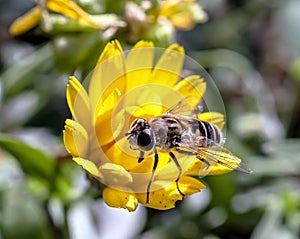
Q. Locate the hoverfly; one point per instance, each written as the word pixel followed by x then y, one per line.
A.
pixel 186 134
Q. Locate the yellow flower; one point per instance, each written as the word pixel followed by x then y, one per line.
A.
pixel 121 89
pixel 67 8
pixel 183 14
pixel 158 22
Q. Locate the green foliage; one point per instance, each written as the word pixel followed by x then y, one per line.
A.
pixel 34 162
pixel 251 50
pixel 12 223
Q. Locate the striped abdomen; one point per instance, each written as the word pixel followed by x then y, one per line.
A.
pixel 211 133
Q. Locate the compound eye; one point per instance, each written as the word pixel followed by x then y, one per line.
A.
pixel 145 140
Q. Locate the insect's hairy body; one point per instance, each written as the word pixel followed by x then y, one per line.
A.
pixel 170 130
pixel 167 131
pixel 175 132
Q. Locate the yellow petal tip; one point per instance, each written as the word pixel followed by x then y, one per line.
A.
pixel 119 199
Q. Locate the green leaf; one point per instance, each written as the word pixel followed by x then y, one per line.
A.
pixel 33 161
pixel 23 215
pixel 70 54
pixel 20 75
pixel 282 159
pixel 295 69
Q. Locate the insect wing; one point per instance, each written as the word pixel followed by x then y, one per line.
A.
pixel 182 107
pixel 215 158
pixel 223 158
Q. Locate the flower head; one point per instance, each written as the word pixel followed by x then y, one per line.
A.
pixel 183 14
pixel 66 8
pixel 122 89
pixel 158 22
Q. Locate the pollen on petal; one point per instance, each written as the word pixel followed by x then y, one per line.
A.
pixel 162 199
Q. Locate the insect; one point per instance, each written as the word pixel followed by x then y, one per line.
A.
pixel 186 134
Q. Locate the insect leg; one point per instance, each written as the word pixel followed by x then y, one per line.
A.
pixel 186 152
pixel 141 157
pixel 152 175
pixel 204 161
pixel 179 169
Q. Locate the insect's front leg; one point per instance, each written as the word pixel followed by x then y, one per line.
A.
pixel 141 157
pixel 152 175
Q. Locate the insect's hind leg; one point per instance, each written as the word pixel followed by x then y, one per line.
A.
pixel 179 169
pixel 204 161
pixel 152 175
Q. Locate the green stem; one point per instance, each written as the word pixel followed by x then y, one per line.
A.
pixel 56 231
pixel 59 232
pixel 66 229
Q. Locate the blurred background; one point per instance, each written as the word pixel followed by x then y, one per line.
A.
pixel 250 48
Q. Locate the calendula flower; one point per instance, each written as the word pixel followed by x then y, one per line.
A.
pixel 66 8
pixel 183 14
pixel 122 89
pixel 159 22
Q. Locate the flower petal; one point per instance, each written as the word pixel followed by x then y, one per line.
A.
pixel 108 74
pixel 88 165
pixel 182 21
pixel 137 70
pixel 143 102
pixel 150 100
pixel 75 138
pixel 72 10
pixel 190 185
pixel 163 198
pixel 193 87
pixel 109 103
pixel 26 22
pixel 188 18
pixel 231 160
pixel 104 120
pixel 198 168
pixel 119 199
pixel 167 70
pixel 182 14
pixel 115 175
pixel 170 171
pixel 120 153
pixel 117 153
pixel 78 102
pixel 166 197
